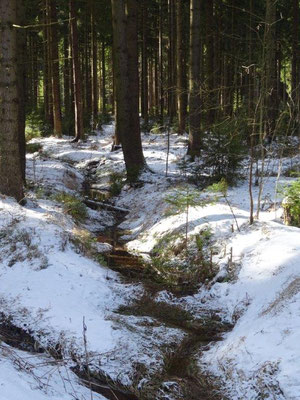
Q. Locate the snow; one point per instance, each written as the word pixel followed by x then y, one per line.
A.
pixel 265 303
pixel 51 290
pixel 49 286
pixel 24 377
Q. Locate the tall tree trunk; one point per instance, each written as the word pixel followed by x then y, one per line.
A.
pixel 217 58
pixel 156 84
pixel 34 72
pixel 145 83
pixel 79 130
pixel 87 68
pixel 211 103
pixel 194 84
pixel 95 86
pixel 11 179
pixel 49 64
pixel 126 78
pixel 46 73
pixel 54 60
pixel 151 91
pixel 295 49
pixel 250 66
pixel 103 79
pixel 160 63
pixel 133 73
pixel 67 100
pixel 270 67
pixel 172 61
pixel 21 47
pixel 296 64
pixel 117 136
pixel 181 95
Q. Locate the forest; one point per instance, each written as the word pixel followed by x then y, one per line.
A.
pixel 149 199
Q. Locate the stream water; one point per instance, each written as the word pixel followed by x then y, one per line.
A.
pixel 181 364
pixel 180 377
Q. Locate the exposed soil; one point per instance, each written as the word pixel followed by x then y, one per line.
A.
pixel 180 363
pixel 180 378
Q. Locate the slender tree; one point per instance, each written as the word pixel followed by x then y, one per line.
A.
pixel 181 89
pixel 54 60
pixel 95 86
pixel 77 82
pixel 270 67
pixel 194 80
pixel 21 46
pixel 172 60
pixel 160 62
pixel 211 95
pixel 67 76
pixel 103 70
pixel 295 81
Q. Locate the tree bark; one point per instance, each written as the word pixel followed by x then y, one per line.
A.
pixel 67 95
pixel 160 64
pixel 211 93
pixel 117 137
pixel 194 84
pixel 11 180
pixel 95 91
pixel 172 61
pixel 126 78
pixel 103 79
pixel 181 89
pixel 87 64
pixel 49 64
pixel 77 80
pixel 54 60
pixel 145 83
pixel 21 46
pixel 133 73
pixel 270 67
pixel 46 74
pixel 296 64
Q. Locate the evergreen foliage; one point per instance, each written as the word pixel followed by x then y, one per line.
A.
pixel 291 203
pixel 72 205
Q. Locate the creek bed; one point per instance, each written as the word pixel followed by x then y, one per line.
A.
pixel 180 377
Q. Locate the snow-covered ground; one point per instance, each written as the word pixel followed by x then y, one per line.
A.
pixel 50 288
pixel 35 377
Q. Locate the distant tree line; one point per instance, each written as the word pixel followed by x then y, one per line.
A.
pixel 192 65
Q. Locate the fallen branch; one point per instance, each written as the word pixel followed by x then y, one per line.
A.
pixel 95 203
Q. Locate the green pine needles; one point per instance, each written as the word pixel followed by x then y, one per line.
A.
pixel 180 201
pixel 222 188
pixel 291 204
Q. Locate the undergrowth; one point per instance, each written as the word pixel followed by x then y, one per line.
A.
pixel 291 204
pixel 33 147
pixel 72 205
pixel 116 181
pixel 181 268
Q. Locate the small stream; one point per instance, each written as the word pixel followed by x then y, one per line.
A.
pixel 180 378
pixel 181 363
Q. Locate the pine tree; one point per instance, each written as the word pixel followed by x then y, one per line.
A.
pixel 77 79
pixel 194 84
pixel 11 181
pixel 126 84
